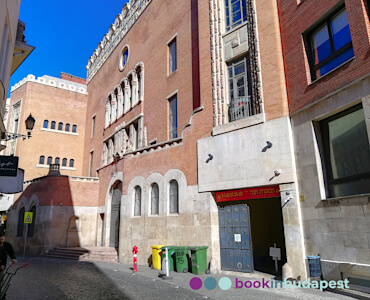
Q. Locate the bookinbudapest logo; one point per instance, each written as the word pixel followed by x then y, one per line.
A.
pixel 225 284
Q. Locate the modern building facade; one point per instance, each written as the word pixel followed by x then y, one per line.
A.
pixel 326 46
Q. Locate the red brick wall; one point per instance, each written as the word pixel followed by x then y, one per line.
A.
pixel 72 78
pixel 147 40
pixel 294 20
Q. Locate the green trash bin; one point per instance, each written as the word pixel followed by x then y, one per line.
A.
pixel 171 254
pixel 182 259
pixel 198 259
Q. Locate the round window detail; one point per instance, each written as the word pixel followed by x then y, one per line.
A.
pixel 123 58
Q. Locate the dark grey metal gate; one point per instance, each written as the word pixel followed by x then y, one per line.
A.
pixel 235 238
pixel 114 217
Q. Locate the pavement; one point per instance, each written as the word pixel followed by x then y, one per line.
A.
pixel 51 278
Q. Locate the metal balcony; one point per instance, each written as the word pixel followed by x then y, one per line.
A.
pixel 240 108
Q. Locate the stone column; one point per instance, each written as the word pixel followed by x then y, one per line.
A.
pixel 140 132
pixel 110 151
pixel 114 108
pixel 107 113
pixel 141 85
pixel 134 90
pixel 119 102
pixel 124 140
pixel 127 90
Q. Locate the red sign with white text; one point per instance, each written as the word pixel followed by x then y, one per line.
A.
pixel 246 194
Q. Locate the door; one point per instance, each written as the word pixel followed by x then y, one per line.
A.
pixel 115 216
pixel 235 238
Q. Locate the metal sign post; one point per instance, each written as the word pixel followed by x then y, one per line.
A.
pixel 27 220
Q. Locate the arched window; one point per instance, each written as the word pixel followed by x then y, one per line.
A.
pixel 137 206
pixel 60 126
pixel 46 124
pixel 155 199
pixel 74 128
pixel 31 227
pixel 20 222
pixel 57 160
pixel 52 125
pixel 71 163
pixel 64 162
pixel 50 160
pixel 42 160
pixel 174 197
pixel 67 127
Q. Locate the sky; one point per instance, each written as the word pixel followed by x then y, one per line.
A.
pixel 65 34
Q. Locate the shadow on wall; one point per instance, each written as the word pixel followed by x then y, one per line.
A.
pixel 54 222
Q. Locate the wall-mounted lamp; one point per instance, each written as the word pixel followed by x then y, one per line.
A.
pixel 210 157
pixel 276 173
pixel 268 146
pixel 30 123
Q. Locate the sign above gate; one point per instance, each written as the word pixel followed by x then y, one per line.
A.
pixel 246 194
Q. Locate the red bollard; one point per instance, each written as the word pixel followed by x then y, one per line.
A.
pixel 135 251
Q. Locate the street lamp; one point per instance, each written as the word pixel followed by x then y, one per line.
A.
pixel 30 123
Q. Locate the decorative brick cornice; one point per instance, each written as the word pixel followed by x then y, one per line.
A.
pixel 117 31
pixel 54 82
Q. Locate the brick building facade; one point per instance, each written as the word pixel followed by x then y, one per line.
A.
pixel 326 49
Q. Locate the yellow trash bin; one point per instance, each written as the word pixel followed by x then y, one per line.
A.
pixel 156 257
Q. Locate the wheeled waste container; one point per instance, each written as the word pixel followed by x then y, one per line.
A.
pixel 171 253
pixel 198 259
pixel 314 266
pixel 156 257
pixel 182 259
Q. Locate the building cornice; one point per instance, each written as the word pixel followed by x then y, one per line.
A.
pixel 54 82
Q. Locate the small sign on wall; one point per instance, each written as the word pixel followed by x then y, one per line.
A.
pixel 238 238
pixel 8 165
pixel 301 198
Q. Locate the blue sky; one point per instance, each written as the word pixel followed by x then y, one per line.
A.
pixel 64 33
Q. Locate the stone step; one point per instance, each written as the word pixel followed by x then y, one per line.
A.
pixel 102 254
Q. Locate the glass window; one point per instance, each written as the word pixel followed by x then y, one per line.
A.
pixel 173 117
pixel 68 127
pixel 71 163
pixel 57 160
pixel 64 162
pixel 346 152
pixel 93 127
pixel 137 206
pixel 31 227
pixel 50 160
pixel 20 222
pixel 155 199
pixel 172 56
pixel 74 128
pixel 123 58
pixel 60 126
pixel 52 125
pixel 240 100
pixel 46 124
pixel 235 13
pixel 42 160
pixel 91 163
pixel 174 197
pixel 330 44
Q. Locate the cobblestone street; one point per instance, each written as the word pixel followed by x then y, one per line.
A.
pixel 49 278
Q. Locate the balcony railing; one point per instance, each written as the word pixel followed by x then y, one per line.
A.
pixel 240 108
